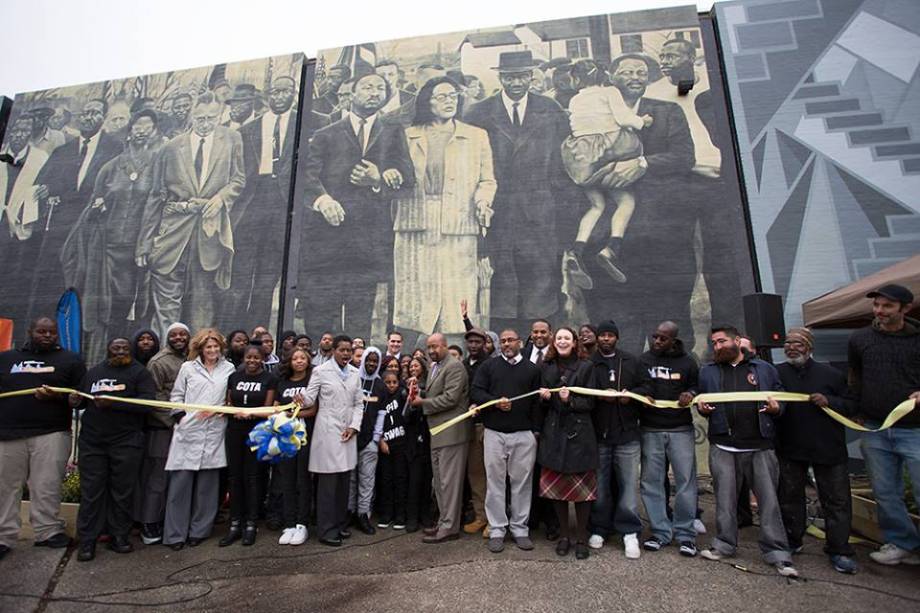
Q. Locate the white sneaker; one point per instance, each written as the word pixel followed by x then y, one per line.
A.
pixel 631 545
pixel 699 526
pixel 596 541
pixel 786 569
pixel 286 536
pixel 890 555
pixel 711 554
pixel 299 535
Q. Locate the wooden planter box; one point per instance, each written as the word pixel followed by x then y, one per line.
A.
pixel 865 518
pixel 68 513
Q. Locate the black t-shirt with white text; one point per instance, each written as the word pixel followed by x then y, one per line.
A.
pixel 288 389
pixel 249 391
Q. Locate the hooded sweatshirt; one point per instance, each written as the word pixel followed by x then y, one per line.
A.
pixel 672 373
pixel 135 353
pixel 885 370
pixel 372 386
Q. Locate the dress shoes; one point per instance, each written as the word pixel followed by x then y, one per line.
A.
pixel 194 542
pixel 434 539
pixel 433 530
pixel 87 552
pixel 120 544
pixel 331 542
pixel 364 525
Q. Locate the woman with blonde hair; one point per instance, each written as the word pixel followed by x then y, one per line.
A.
pixel 197 451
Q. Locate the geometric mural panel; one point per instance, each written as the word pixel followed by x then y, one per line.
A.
pixel 783 236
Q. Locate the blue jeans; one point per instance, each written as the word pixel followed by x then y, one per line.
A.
pixel 608 515
pixel 887 454
pixel 679 448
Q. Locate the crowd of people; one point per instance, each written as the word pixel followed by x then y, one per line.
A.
pixel 533 447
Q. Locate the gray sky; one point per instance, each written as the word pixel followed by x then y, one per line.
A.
pixel 53 43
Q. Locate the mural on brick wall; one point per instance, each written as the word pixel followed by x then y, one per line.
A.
pixel 541 170
pixel 154 196
pixel 826 102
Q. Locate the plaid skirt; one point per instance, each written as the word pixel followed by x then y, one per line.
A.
pixel 571 487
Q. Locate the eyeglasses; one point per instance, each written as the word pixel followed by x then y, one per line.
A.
pixel 452 96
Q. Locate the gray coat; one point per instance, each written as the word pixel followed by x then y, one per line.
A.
pixel 447 395
pixel 340 405
pixel 198 442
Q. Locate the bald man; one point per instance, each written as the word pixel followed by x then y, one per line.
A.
pixel 446 396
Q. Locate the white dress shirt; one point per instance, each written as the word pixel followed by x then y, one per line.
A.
pixel 194 139
pixel 515 360
pixel 90 152
pixel 509 106
pixel 535 351
pixel 268 127
pixel 368 125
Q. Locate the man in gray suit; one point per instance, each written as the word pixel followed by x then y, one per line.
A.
pixel 185 236
pixel 446 397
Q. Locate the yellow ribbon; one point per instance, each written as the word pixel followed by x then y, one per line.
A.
pixel 711 398
pixel 158 404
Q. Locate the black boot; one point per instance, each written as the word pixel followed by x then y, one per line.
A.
pixel 87 551
pixel 121 544
pixel 249 535
pixel 364 525
pixel 233 535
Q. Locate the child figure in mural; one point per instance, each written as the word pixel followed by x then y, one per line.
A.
pixel 604 132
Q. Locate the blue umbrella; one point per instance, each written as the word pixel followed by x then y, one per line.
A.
pixel 70 321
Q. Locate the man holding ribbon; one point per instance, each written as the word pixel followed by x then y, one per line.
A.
pixel 807 437
pixel 510 440
pixel 741 442
pixel 35 433
pixel 884 361
pixel 111 447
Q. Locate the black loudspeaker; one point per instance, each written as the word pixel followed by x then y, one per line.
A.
pixel 763 319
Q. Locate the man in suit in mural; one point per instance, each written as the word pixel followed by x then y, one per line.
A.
pixel 352 172
pixel 335 76
pixel 19 211
pixel 67 181
pixel 526 131
pixel 261 210
pixel 704 190
pixel 186 239
pixel 658 248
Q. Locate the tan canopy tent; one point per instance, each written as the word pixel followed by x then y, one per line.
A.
pixel 848 307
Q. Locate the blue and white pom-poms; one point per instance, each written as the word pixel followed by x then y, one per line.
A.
pixel 278 437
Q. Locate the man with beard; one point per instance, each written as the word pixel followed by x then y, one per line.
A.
pixel 325 349
pixel 98 255
pixel 111 448
pixel 807 437
pixel 509 441
pixel 884 360
pixel 741 442
pixel 353 170
pixel 35 434
pixel 150 504
pixel 261 210
pixel 186 240
pixel 67 182
pixel 145 345
pixel 475 463
pixel 668 437
pixel 616 424
pixel 20 236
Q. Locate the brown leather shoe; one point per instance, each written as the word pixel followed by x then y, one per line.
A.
pixel 430 531
pixel 475 526
pixel 434 539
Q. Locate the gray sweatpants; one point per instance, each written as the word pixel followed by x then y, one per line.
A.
pixel 361 483
pixel 150 496
pixel 39 461
pixel 509 455
pixel 191 504
pixel 762 469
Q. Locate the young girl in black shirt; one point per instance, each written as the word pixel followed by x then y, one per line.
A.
pixel 249 387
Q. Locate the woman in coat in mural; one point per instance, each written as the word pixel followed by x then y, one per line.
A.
pixel 197 452
pixel 439 223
